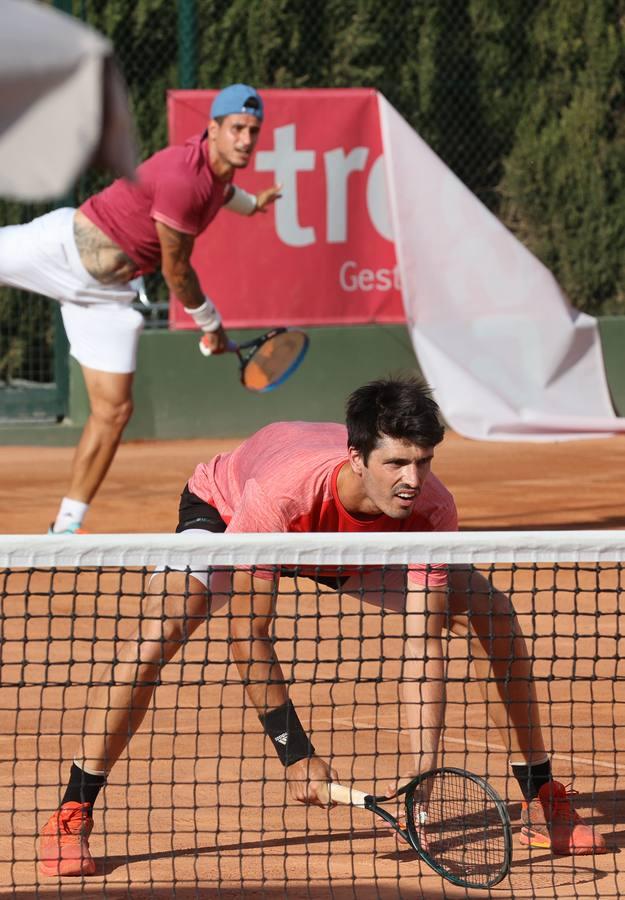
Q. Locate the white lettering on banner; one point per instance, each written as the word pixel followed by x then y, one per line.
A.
pixel 377 200
pixel 338 169
pixel 285 161
pixel 351 278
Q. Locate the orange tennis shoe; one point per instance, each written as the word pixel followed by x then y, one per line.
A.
pixel 64 842
pixel 420 825
pixel 72 528
pixel 549 822
pixel 534 828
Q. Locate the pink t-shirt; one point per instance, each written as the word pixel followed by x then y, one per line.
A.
pixel 175 186
pixel 283 479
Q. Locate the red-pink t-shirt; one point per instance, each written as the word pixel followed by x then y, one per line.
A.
pixel 175 186
pixel 283 479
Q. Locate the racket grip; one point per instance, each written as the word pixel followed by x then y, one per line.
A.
pixel 205 350
pixel 347 796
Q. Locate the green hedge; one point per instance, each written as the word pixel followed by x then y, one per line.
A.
pixel 523 99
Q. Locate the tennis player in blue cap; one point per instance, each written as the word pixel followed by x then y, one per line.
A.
pixel 86 259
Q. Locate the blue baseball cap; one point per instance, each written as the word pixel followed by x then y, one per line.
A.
pixel 237 98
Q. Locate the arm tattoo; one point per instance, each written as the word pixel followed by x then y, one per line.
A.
pixel 177 270
pixel 185 285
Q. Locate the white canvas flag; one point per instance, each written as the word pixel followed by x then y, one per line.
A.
pixel 506 354
pixel 63 103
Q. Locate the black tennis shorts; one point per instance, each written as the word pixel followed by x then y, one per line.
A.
pixel 196 513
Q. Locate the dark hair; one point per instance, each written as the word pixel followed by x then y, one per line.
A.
pixel 399 408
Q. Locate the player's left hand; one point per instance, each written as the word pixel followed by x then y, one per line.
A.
pixel 265 198
pixel 429 763
pixel 214 342
pixel 308 781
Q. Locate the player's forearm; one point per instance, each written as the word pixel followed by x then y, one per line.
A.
pixel 248 204
pixel 423 699
pixel 264 683
pixel 182 281
pixel 260 672
pixel 423 686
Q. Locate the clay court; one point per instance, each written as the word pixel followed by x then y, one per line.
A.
pixel 197 808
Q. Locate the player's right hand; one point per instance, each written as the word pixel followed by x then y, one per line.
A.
pixel 308 781
pixel 214 342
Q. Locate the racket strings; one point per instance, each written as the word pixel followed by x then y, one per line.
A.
pixel 462 832
pixel 274 359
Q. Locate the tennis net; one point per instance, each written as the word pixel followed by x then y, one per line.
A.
pixel 198 805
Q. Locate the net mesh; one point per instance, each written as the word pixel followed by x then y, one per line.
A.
pixel 198 804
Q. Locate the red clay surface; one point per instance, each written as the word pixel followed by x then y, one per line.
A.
pixel 198 808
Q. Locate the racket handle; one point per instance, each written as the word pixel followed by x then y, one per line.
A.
pixel 347 796
pixel 205 350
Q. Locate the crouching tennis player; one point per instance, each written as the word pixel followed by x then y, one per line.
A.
pixel 372 476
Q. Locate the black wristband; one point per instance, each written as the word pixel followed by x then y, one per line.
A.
pixel 289 739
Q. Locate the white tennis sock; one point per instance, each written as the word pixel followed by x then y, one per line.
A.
pixel 70 511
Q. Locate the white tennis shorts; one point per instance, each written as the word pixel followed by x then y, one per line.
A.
pixel 102 327
pixel 380 587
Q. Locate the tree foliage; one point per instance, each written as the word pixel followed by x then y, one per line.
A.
pixel 564 177
pixel 523 99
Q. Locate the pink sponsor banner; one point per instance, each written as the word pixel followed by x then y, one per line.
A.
pixel 325 254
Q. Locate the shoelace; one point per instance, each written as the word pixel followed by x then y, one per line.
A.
pixel 65 834
pixel 563 805
pixel 536 823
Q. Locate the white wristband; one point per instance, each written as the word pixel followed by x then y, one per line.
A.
pixel 205 316
pixel 241 202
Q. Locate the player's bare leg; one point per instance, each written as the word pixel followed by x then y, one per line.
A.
pixel 110 401
pixel 503 665
pixel 175 606
pixel 501 660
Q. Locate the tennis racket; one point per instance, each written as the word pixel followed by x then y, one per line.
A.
pixel 455 821
pixel 266 362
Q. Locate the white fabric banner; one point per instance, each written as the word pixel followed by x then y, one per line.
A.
pixel 63 103
pixel 507 356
